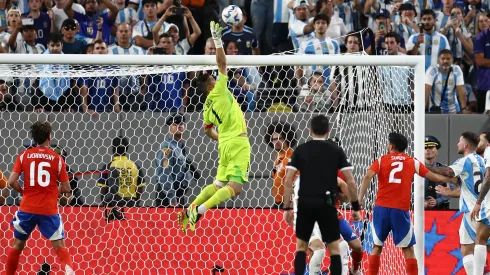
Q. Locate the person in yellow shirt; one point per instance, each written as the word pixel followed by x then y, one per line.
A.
pixel 281 137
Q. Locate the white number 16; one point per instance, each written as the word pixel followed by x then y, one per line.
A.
pixel 43 176
pixel 398 168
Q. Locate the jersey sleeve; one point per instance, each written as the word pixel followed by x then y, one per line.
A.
pixel 344 163
pixel 420 168
pixel 18 164
pixel 459 75
pixel 458 166
pixel 63 175
pixel 411 42
pixel 430 76
pixel 375 166
pixel 293 162
pixel 297 27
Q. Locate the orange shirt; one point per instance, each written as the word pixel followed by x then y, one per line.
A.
pixel 42 169
pixel 395 176
pixel 279 172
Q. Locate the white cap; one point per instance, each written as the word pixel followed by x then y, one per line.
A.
pixel 137 2
pixel 298 3
pixel 13 10
pixel 167 28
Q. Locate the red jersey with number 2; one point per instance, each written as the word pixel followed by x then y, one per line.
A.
pixel 395 176
pixel 42 169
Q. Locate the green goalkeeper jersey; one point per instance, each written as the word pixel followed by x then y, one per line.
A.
pixel 222 110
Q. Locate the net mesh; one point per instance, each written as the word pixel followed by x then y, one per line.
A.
pixel 247 235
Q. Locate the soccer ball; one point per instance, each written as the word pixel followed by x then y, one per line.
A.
pixel 232 15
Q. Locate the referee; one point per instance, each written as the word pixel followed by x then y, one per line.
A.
pixel 318 162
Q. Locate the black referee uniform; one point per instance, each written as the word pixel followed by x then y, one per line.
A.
pixel 318 162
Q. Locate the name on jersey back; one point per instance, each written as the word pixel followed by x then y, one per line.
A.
pixel 40 156
pixel 398 158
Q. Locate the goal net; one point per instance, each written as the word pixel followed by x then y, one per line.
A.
pixel 94 100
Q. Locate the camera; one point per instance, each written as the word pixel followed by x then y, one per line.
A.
pixel 178 10
pixel 454 16
pixel 471 7
pixel 382 26
pixel 421 26
pixel 159 51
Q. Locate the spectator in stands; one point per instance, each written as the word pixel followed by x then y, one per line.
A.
pixel 43 21
pixel 371 7
pixel 299 28
pixel 5 6
pixel 314 97
pixel 336 27
pixel 89 49
pixel 183 46
pixel 346 10
pixel 173 169
pixel 92 23
pixel 126 14
pixel 54 93
pixel 122 182
pixel 130 91
pixel 383 27
pixel 142 31
pixel 6 103
pixel 281 137
pixel 473 10
pixel 262 14
pixel 444 87
pixel 71 45
pixel 406 23
pixel 433 200
pixel 430 42
pixel 398 97
pixel 59 11
pixel 13 19
pixel 165 92
pixel 321 44
pixel 101 93
pixel 27 44
pixel 348 83
pixel 243 37
pixel 458 36
pixel 483 23
pixel 443 17
pixel 482 62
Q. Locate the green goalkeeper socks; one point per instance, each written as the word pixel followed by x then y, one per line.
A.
pixel 223 194
pixel 206 193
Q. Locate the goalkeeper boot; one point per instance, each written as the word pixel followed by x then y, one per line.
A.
pixel 183 220
pixel 194 216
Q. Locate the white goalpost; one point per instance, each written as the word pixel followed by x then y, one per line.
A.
pixel 248 234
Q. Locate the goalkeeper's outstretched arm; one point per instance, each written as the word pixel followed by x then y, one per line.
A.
pixel 216 30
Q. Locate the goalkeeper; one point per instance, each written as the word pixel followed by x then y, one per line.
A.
pixel 221 110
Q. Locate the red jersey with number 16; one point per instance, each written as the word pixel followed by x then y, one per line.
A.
pixel 395 176
pixel 42 169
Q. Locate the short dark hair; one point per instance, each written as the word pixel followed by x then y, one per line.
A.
pixel 321 16
pixel 486 135
pixel 319 125
pixel 393 35
pixel 472 138
pixel 40 131
pixel 202 83
pixel 399 141
pixel 445 51
pixel 284 129
pixel 55 37
pixel 165 35
pixel 120 145
pixel 353 34
pixel 428 12
pixel 99 41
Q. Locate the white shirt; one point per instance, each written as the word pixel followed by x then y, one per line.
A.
pixel 182 47
pixel 470 170
pixel 347 12
pixel 449 101
pixel 336 29
pixel 60 14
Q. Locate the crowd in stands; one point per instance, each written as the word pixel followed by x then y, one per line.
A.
pixel 452 34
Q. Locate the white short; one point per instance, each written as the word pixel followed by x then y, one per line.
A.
pixel 467 230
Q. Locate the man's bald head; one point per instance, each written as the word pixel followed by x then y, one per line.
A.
pixel 123 34
pixel 210 48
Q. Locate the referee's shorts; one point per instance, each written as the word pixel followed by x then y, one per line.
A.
pixel 316 209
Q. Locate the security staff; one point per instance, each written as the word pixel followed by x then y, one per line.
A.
pixel 432 199
pixel 174 171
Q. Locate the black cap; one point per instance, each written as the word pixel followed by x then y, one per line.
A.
pixel 407 6
pixel 383 12
pixel 432 141
pixel 149 2
pixel 175 119
pixel 69 22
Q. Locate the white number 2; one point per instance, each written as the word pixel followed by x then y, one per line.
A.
pixel 398 168
pixel 43 176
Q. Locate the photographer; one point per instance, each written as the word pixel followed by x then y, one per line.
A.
pixel 383 27
pixel 458 35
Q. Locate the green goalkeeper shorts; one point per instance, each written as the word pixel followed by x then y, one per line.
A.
pixel 234 160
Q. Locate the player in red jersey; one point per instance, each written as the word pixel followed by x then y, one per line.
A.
pixel 391 211
pixel 42 169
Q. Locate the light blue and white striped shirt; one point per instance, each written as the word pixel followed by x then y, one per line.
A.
pixel 470 169
pixel 317 46
pixel 449 101
pixel 441 20
pixel 126 15
pixel 345 12
pixel 141 29
pixel 127 84
pixel 281 11
pixel 296 30
pixel 433 44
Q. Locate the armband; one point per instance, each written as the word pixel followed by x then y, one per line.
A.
pixel 287 208
pixel 355 205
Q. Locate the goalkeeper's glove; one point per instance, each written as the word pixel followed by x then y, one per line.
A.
pixel 216 30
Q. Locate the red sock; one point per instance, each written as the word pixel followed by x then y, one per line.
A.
pixel 486 269
pixel 373 264
pixel 356 259
pixel 65 258
pixel 411 266
pixel 12 261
